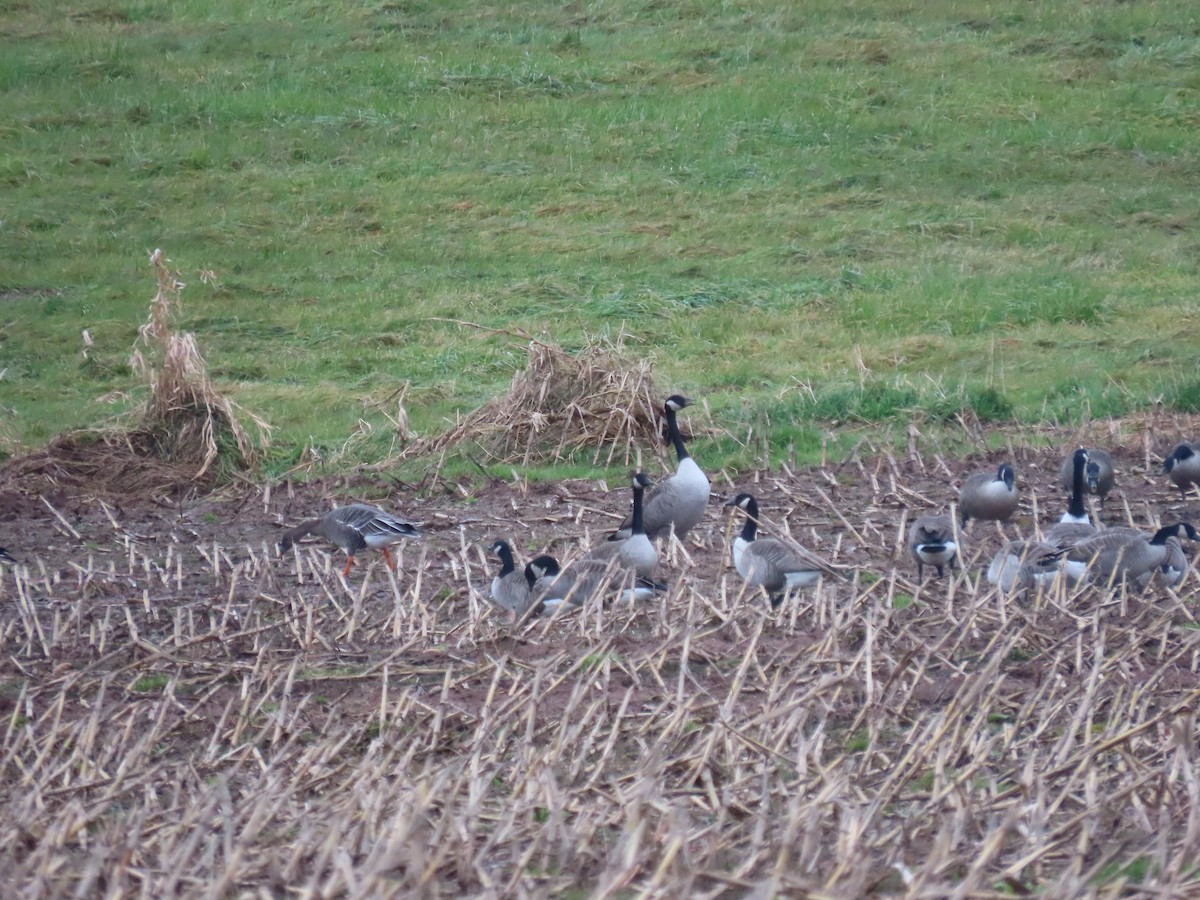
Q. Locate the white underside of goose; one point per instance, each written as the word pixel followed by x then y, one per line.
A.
pixel 938 554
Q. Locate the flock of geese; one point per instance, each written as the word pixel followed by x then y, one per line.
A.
pixel 1073 549
pixel 622 568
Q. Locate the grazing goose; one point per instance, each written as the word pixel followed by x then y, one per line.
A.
pixel 1183 465
pixel 931 542
pixel 586 579
pixel 985 496
pixel 1021 565
pixel 777 566
pixel 679 501
pixel 1075 525
pixel 1115 554
pixel 636 551
pixel 1173 568
pixel 6 558
pixel 1099 474
pixel 355 528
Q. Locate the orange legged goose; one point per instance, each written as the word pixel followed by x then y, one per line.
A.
pixel 355 528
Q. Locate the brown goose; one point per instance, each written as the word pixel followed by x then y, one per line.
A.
pixel 985 496
pixel 586 579
pixel 1183 465
pixel 677 502
pixel 355 528
pixel 1115 555
pixel 931 542
pixel 1075 524
pixel 1099 474
pixel 777 566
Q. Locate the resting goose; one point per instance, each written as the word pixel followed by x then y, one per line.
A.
pixel 985 496
pixel 511 588
pixel 1183 465
pixel 1021 565
pixel 679 501
pixel 1115 554
pixel 635 551
pixel 355 528
pixel 1099 475
pixel 931 542
pixel 777 566
pixel 586 579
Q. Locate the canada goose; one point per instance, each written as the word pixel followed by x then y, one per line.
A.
pixel 1020 565
pixel 586 579
pixel 6 558
pixel 679 501
pixel 511 587
pixel 355 528
pixel 1116 555
pixel 1075 524
pixel 777 566
pixel 1183 465
pixel 636 551
pixel 1099 474
pixel 985 496
pixel 931 542
pixel 1173 568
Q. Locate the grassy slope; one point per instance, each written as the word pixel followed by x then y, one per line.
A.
pixel 897 206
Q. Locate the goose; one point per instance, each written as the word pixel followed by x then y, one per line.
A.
pixel 586 579
pixel 511 587
pixel 985 496
pixel 777 566
pixel 1075 525
pixel 677 502
pixel 1183 465
pixel 932 543
pixel 1098 474
pixel 1021 565
pixel 635 551
pixel 1116 554
pixel 1173 568
pixel 7 558
pixel 354 528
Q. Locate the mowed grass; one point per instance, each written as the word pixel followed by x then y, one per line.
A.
pixel 816 213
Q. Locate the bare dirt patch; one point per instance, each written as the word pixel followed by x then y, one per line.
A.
pixel 184 711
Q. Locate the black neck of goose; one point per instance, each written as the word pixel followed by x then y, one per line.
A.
pixel 1078 477
pixel 674 436
pixel 635 523
pixel 506 559
pixel 750 528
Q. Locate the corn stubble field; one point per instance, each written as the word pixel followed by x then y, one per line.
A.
pixel 185 712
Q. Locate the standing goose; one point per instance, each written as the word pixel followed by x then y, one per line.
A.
pixel 985 496
pixel 1075 525
pixel 355 528
pixel 635 551
pixel 1115 555
pixel 1183 465
pixel 1099 474
pixel 777 566
pixel 931 542
pixel 679 501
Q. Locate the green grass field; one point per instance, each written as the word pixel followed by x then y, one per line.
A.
pixel 819 212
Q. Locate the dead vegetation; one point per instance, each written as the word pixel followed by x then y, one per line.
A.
pixel 599 402
pixel 187 714
pixel 187 433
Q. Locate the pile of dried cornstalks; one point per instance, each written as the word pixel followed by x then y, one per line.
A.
pixel 599 401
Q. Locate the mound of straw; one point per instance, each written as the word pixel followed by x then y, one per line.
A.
pixel 599 400
pixel 187 432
